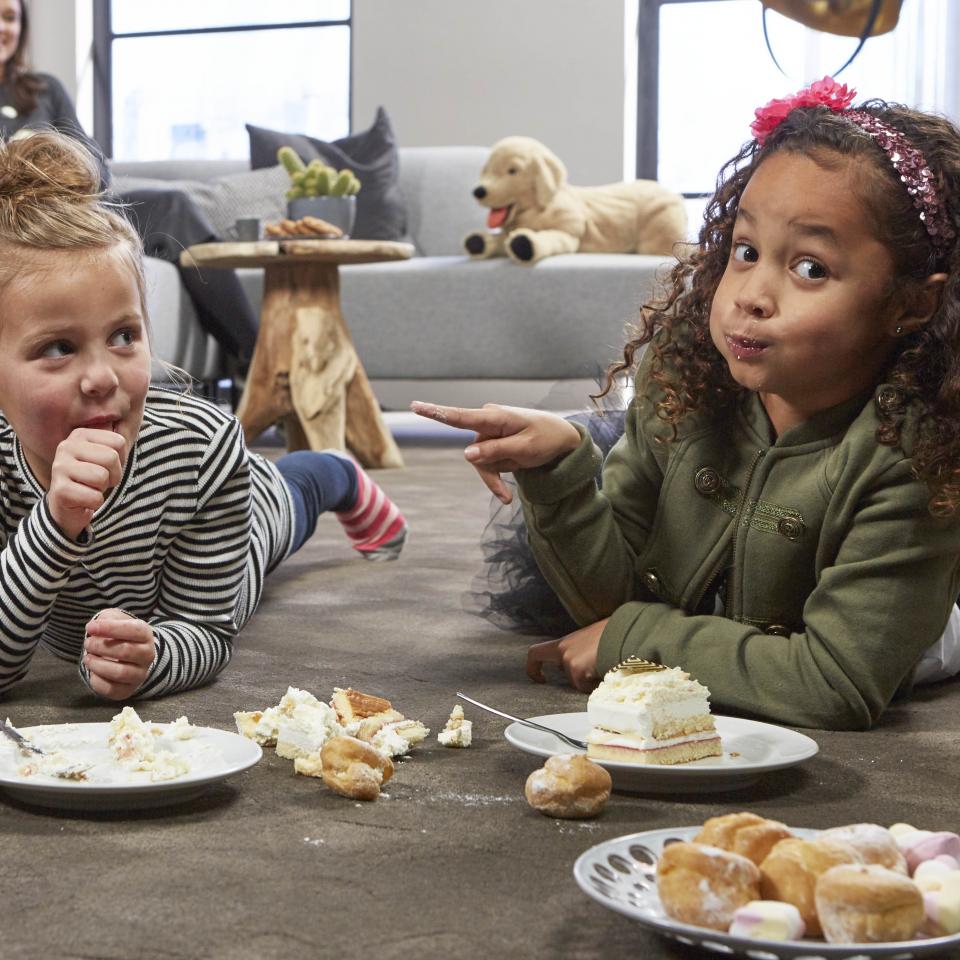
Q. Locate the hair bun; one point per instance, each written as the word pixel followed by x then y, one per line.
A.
pixel 37 166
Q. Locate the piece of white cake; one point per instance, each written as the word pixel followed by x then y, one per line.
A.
pixel 259 725
pixel 264 725
pixel 133 743
pixel 646 713
pixel 458 732
pixel 304 725
pixel 395 738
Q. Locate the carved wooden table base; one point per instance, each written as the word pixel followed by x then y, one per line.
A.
pixel 305 372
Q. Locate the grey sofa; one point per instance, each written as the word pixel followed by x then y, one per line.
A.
pixel 442 326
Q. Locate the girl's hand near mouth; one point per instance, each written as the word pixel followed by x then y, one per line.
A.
pixel 87 464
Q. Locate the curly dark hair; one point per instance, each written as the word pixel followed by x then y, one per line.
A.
pixel 691 373
pixel 25 86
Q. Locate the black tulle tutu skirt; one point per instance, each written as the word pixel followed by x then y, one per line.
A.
pixel 510 591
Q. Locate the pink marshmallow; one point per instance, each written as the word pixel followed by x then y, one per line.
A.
pixel 767 920
pixel 928 847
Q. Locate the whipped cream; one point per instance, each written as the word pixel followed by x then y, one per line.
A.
pixel 458 731
pixel 133 743
pixel 296 705
pixel 635 703
pixel 304 724
pixel 389 742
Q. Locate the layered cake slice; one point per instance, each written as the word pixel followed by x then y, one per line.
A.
pixel 647 713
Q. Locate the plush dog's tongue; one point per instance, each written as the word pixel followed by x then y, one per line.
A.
pixel 496 217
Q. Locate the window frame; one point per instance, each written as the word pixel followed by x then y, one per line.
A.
pixel 104 35
pixel 648 82
pixel 648 88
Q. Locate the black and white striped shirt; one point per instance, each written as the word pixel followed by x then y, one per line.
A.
pixel 183 542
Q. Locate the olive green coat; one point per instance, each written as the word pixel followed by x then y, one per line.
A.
pixel 836 576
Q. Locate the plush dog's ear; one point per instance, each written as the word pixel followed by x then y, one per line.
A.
pixel 550 176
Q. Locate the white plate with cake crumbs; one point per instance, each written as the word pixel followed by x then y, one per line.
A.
pixel 750 749
pixel 111 766
pixel 621 874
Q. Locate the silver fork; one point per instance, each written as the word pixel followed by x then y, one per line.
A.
pixel 573 741
pixel 69 771
pixel 25 746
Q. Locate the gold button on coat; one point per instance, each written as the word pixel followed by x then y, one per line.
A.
pixel 790 527
pixel 707 481
pixel 777 630
pixel 652 582
pixel 889 398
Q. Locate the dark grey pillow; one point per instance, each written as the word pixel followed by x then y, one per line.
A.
pixel 370 154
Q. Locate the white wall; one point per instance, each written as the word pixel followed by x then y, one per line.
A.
pixel 451 72
pixel 61 43
pixel 53 40
pixel 470 72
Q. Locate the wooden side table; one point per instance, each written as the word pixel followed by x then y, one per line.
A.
pixel 305 371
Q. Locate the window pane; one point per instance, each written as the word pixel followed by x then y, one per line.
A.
pixel 223 81
pixel 715 71
pixel 135 16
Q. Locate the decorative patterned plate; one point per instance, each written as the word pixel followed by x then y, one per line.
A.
pixel 750 748
pixel 622 874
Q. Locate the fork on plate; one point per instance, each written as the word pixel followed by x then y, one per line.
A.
pixel 25 746
pixel 573 741
pixel 66 770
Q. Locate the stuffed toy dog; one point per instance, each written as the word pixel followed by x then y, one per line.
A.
pixel 538 214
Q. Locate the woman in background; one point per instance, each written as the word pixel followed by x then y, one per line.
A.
pixel 167 220
pixel 31 99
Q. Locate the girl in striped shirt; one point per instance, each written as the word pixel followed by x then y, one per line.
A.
pixel 136 529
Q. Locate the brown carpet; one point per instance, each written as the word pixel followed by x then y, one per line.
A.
pixel 452 862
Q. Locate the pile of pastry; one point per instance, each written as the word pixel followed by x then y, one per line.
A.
pixel 861 883
pixel 306 228
pixel 350 742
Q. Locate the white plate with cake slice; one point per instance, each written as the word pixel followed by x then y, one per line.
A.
pixel 750 749
pixel 621 874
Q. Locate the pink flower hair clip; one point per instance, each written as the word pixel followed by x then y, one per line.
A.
pixel 822 93
pixel 907 161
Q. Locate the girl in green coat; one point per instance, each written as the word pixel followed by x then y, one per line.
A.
pixel 780 516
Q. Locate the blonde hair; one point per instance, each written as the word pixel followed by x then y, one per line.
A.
pixel 50 199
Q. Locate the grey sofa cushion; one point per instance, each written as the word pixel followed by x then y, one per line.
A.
pixel 437 186
pixel 249 193
pixel 450 317
pixel 370 154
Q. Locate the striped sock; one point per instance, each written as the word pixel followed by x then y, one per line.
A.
pixel 374 525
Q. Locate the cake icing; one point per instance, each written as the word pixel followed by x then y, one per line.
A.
pixel 458 731
pixel 133 743
pixel 651 714
pixel 304 724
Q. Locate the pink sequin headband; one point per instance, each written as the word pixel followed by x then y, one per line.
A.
pixel 907 160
